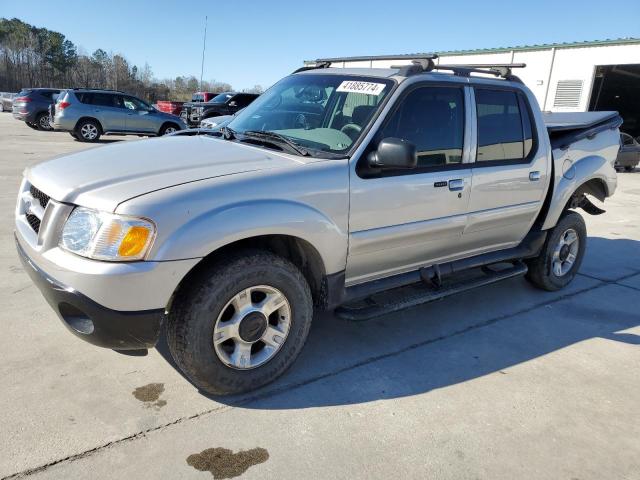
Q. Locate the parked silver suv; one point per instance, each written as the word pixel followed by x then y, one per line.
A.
pixel 87 114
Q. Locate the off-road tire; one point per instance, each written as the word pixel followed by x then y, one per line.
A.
pixel 199 303
pixel 42 122
pixel 540 271
pixel 84 136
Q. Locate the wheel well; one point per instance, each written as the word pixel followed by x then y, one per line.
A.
pixel 298 251
pixel 595 187
pixel 92 119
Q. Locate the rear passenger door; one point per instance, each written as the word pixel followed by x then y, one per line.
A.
pixel 108 110
pixel 403 219
pixel 510 172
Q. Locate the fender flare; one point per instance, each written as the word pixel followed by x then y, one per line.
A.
pixel 574 179
pixel 217 228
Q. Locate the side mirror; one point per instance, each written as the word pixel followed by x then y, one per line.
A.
pixel 233 103
pixel 393 153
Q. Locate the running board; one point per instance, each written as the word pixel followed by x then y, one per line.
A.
pixel 417 294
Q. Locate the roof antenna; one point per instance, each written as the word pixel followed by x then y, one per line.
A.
pixel 204 44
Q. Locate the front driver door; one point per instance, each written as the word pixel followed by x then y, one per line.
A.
pixel 139 116
pixel 401 220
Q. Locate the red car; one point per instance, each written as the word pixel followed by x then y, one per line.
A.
pixel 168 106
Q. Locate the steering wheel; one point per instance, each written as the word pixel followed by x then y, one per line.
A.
pixel 351 129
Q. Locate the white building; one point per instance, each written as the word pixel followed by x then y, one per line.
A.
pixel 580 76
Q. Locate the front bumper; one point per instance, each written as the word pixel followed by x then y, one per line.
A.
pixel 92 322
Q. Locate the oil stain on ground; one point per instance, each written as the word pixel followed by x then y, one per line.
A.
pixel 223 463
pixel 150 395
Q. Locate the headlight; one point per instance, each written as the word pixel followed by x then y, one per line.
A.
pixel 107 236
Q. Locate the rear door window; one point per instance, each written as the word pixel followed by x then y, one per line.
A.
pixel 504 126
pixel 103 100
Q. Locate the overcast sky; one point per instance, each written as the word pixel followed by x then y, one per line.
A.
pixel 255 42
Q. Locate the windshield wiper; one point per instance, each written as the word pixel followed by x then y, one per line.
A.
pixel 299 149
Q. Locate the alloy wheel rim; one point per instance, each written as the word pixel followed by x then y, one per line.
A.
pixel 44 122
pixel 565 253
pixel 89 131
pixel 169 130
pixel 252 327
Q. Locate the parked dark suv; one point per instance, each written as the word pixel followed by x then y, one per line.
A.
pixel 32 106
pixel 226 103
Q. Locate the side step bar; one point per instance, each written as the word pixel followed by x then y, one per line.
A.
pixel 528 248
pixel 411 296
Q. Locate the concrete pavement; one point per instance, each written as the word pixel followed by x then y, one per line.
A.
pixel 502 382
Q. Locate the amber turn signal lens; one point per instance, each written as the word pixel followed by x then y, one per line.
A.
pixel 134 241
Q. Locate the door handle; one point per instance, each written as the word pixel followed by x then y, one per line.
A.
pixel 534 176
pixel 456 184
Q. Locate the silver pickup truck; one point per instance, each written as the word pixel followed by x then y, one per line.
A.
pixel 362 191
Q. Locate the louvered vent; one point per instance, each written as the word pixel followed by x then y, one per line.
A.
pixel 568 94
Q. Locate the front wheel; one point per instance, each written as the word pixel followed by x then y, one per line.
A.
pixel 240 323
pixel 169 128
pixel 561 255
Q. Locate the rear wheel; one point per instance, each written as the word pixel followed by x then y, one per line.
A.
pixel 88 131
pixel 561 255
pixel 241 323
pixel 42 122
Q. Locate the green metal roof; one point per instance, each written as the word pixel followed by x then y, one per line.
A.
pixel 544 46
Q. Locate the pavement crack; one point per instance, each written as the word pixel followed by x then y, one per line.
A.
pixel 294 386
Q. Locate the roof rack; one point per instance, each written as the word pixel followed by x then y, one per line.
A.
pixel 424 62
pixel 98 89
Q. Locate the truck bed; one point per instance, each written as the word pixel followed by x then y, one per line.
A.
pixel 569 127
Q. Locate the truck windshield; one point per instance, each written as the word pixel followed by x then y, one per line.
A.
pixel 321 112
pixel 222 98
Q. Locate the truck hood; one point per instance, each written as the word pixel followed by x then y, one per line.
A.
pixel 104 177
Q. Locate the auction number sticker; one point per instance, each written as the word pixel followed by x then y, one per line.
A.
pixel 369 88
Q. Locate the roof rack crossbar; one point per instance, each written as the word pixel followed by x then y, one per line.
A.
pixel 502 70
pixel 372 58
pixel 421 59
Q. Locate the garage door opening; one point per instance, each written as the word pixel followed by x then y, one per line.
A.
pixel 617 87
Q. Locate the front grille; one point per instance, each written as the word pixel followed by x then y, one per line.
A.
pixel 33 221
pixel 42 197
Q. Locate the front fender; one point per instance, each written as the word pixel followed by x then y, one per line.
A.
pixel 570 175
pixel 216 228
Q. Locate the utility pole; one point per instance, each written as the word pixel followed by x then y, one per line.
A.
pixel 204 44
